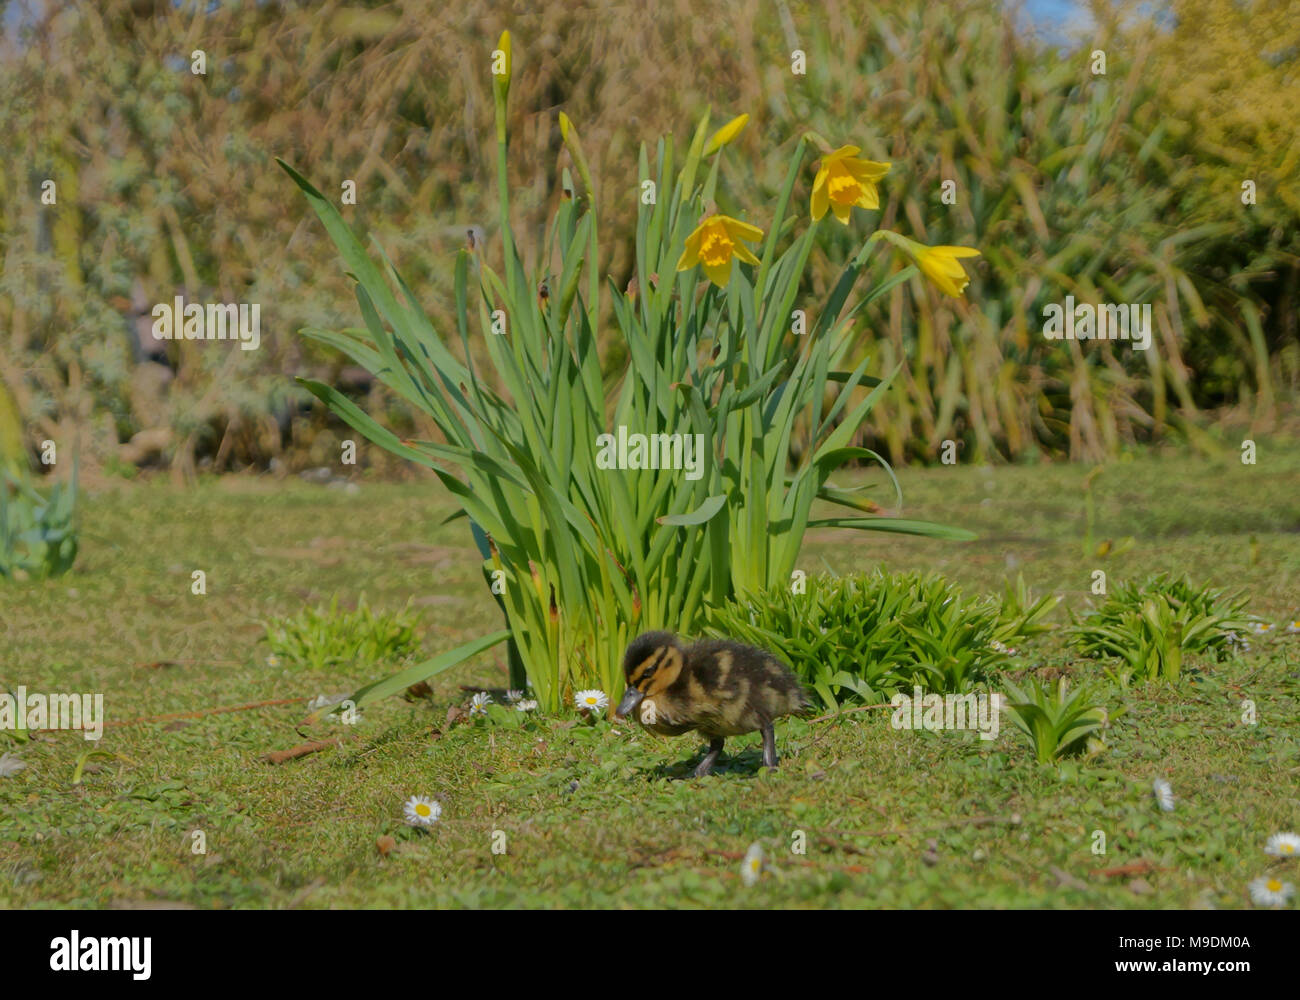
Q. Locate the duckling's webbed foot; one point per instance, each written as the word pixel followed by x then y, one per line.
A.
pixel 710 758
pixel 769 746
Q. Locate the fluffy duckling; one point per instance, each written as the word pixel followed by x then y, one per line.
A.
pixel 716 687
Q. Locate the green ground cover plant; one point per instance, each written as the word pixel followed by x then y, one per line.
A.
pixel 326 636
pixel 866 636
pixel 38 530
pixel 1148 626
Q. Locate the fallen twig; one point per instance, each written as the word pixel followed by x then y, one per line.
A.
pixel 847 711
pixel 301 750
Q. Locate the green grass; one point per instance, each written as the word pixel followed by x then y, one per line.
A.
pixel 593 815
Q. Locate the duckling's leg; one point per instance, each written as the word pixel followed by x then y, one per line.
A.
pixel 769 746
pixel 706 765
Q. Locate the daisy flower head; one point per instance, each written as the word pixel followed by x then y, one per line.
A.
pixel 272 661
pixel 591 700
pixel 479 703
pixel 845 181
pixel 1283 845
pixel 1293 628
pixel 1271 891
pixel 526 705
pixel 752 866
pixel 422 811
pixel 716 240
pixel 513 696
pixel 1164 794
pixel 1261 628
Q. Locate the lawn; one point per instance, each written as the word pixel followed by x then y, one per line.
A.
pixel 597 815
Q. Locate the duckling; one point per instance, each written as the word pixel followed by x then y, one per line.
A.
pixel 716 687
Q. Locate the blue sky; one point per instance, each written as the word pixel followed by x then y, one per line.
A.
pixel 1057 20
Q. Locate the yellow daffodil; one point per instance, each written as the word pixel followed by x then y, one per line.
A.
pixel 939 264
pixel 715 241
pixel 843 181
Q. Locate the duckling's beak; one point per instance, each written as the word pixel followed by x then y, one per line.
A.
pixel 631 699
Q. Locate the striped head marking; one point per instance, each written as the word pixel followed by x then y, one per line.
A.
pixel 652 662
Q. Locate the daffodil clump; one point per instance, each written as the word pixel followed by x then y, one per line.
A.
pixel 581 556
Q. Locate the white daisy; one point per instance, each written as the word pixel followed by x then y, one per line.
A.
pixel 1293 628
pixel 1261 628
pixel 752 866
pixel 526 705
pixel 591 700
pixel 10 765
pixel 479 703
pixel 1283 845
pixel 272 661
pixel 1164 794
pixel 422 811
pixel 1271 891
pixel 513 696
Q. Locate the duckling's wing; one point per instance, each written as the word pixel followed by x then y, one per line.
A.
pixel 786 694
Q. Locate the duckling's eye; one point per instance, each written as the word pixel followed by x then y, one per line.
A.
pixel 647 669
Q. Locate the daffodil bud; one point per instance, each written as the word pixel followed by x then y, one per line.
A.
pixel 570 136
pixel 501 67
pixel 725 134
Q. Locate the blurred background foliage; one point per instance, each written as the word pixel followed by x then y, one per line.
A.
pixel 1122 187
